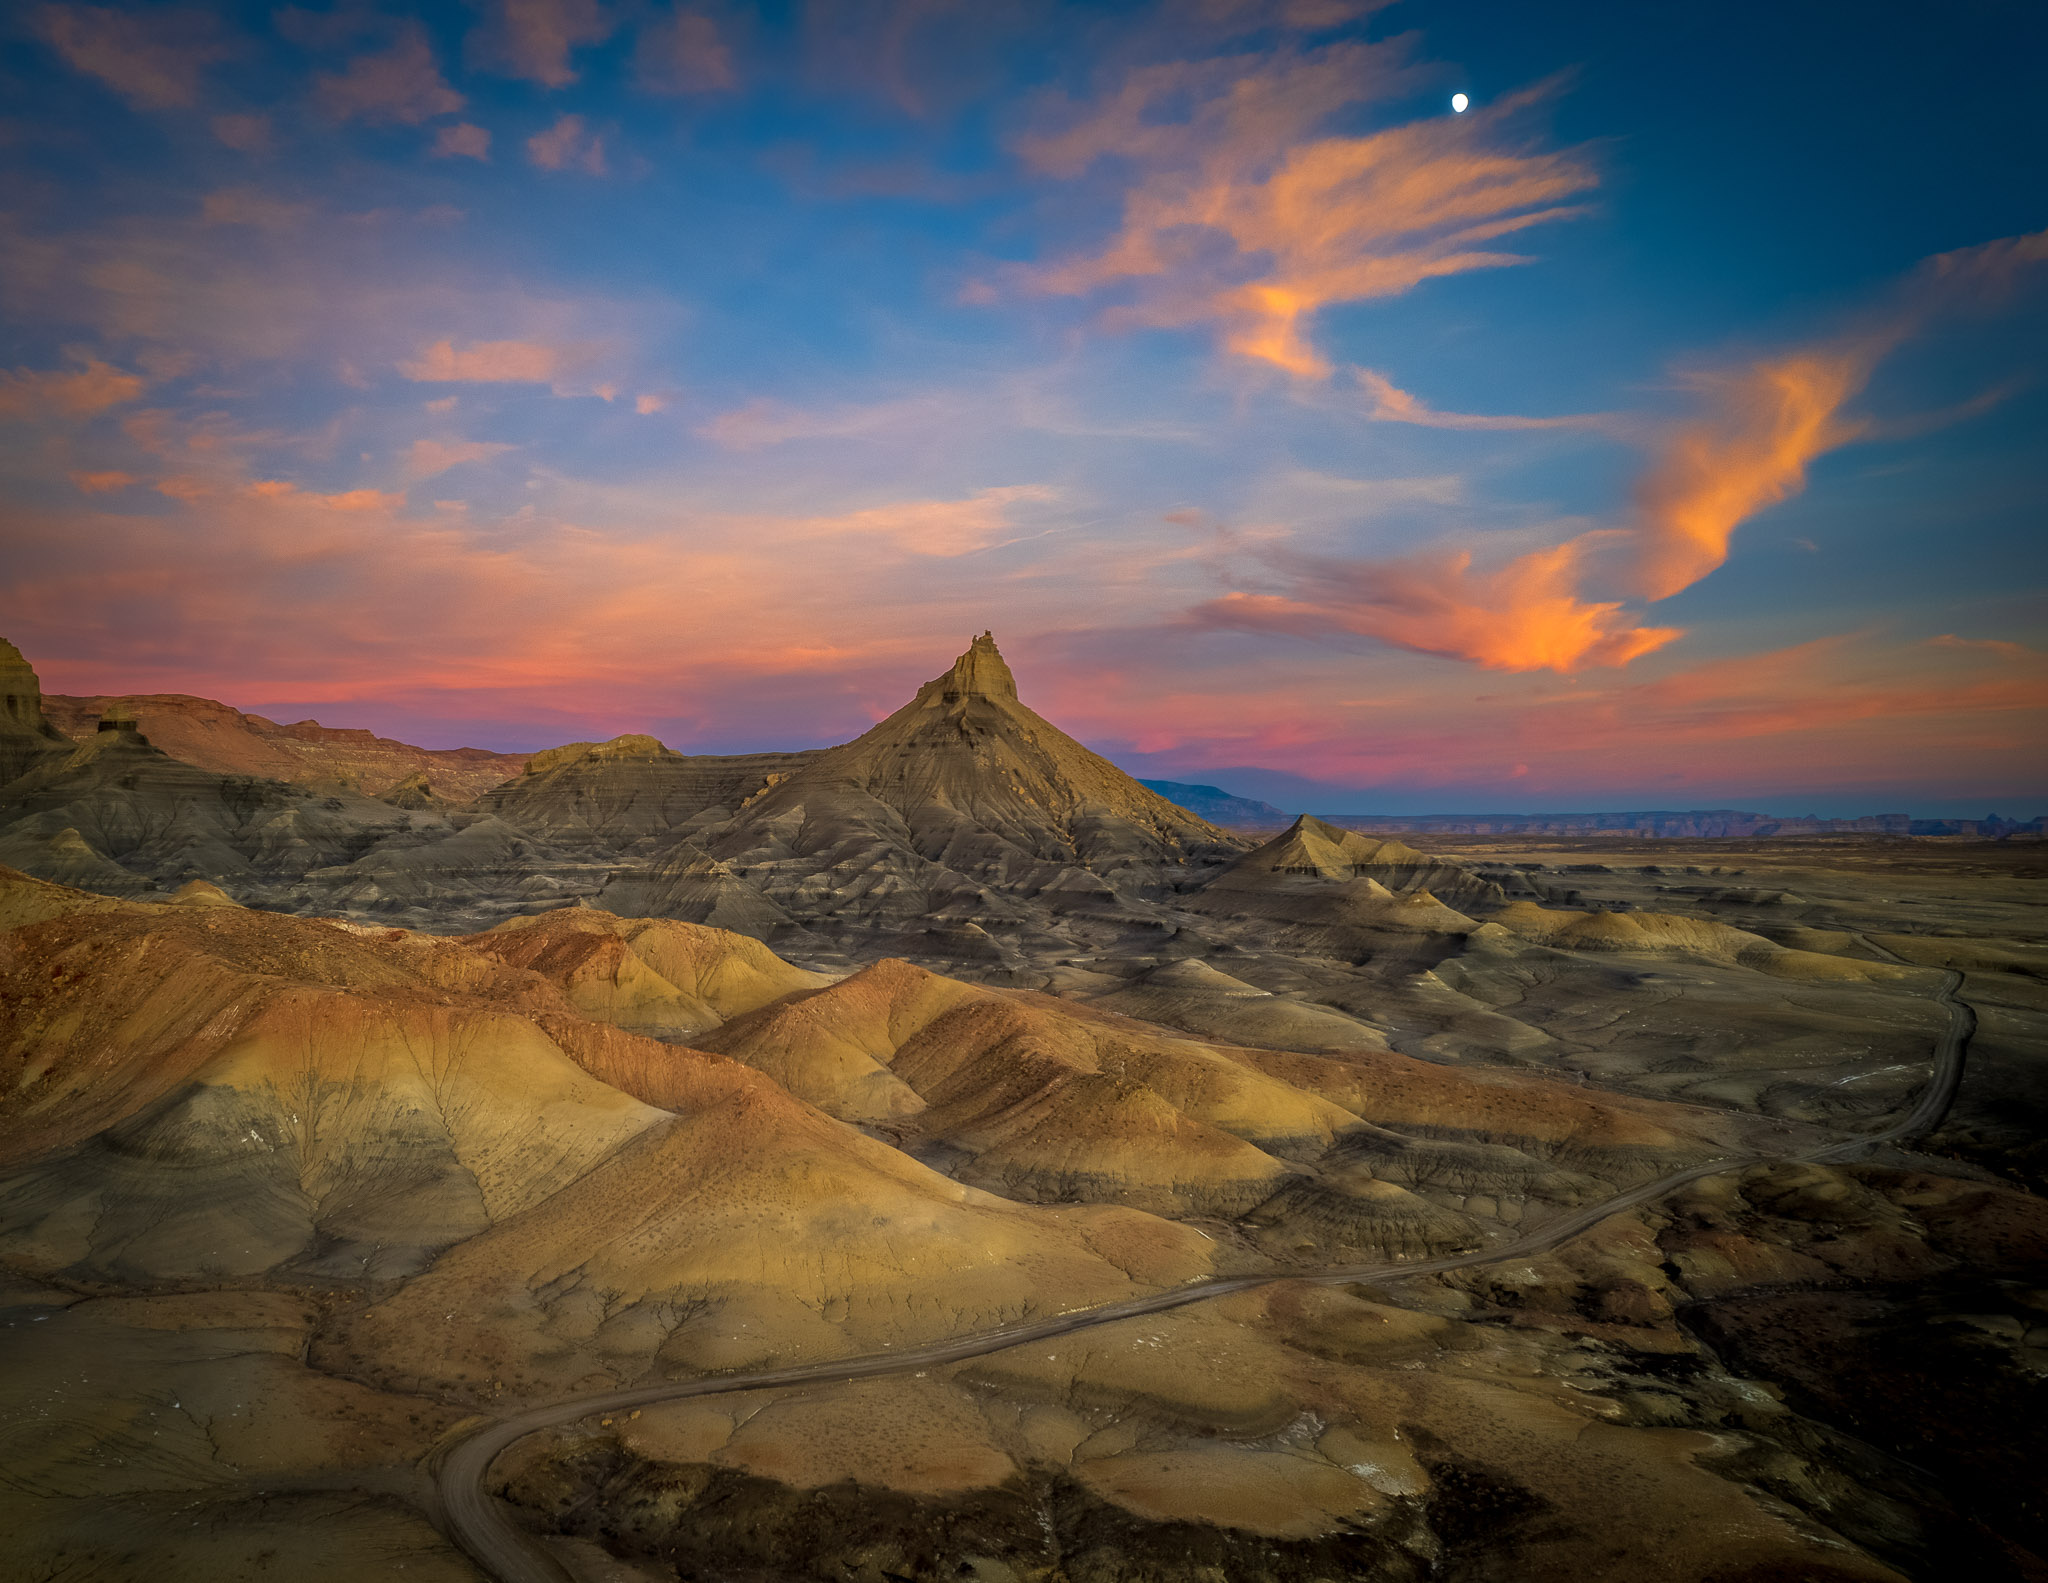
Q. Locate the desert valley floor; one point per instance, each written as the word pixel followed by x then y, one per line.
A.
pixel 941 1157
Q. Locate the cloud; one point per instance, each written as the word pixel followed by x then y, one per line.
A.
pixel 153 60
pixel 470 142
pixel 1999 646
pixel 282 492
pixel 683 53
pixel 497 362
pixel 762 422
pixel 428 458
pixel 649 402
pixel 402 84
pixel 247 206
pixel 1750 449
pixel 1765 422
pixel 533 39
pixel 1390 404
pixel 567 143
pixel 30 394
pixel 933 527
pixel 1243 215
pixel 101 483
pixel 1526 615
pixel 246 134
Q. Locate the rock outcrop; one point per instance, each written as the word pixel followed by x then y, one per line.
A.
pixel 26 736
pixel 214 736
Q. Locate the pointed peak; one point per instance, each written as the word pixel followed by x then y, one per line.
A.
pixel 980 672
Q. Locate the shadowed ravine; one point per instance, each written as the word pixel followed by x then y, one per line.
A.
pixel 481 1527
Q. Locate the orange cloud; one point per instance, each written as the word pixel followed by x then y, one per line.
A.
pixel 683 54
pixel 464 140
pixel 1767 422
pixel 1244 217
pixel 426 458
pixel 567 143
pixel 152 60
pixel 31 394
pixel 533 39
pixel 279 491
pixel 402 84
pixel 931 527
pixel 1524 616
pixel 101 483
pixel 1390 404
pixel 2003 648
pixel 496 362
pixel 1764 425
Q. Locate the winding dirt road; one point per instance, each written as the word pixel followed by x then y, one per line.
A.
pixel 484 1531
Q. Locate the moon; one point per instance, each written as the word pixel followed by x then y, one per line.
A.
pixel 1459 103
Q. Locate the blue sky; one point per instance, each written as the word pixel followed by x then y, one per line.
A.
pixel 1658 432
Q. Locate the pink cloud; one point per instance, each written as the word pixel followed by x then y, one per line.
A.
pixel 101 483
pixel 1245 215
pixel 1525 615
pixel 462 140
pixel 683 53
pixel 32 394
pixel 496 362
pixel 246 134
pixel 535 38
pixel 153 60
pixel 426 458
pixel 567 143
pixel 402 84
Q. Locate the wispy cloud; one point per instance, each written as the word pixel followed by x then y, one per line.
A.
pixel 568 142
pixel 499 362
pixel 534 39
pixel 35 394
pixel 683 53
pixel 1244 214
pixel 464 140
pixel 402 84
pixel 102 483
pixel 1522 616
pixel 1750 449
pixel 153 59
pixel 1387 403
pixel 246 134
pixel 429 458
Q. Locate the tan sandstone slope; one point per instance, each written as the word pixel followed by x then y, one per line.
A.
pixel 228 741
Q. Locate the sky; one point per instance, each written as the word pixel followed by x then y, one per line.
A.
pixel 1663 430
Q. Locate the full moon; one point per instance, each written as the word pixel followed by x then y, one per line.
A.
pixel 1459 102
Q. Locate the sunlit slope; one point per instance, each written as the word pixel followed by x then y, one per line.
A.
pixel 631 792
pixel 1317 885
pixel 205 1093
pixel 1042 1098
pixel 966 806
pixel 648 975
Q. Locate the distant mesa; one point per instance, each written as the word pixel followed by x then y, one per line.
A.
pixel 213 736
pixel 1219 807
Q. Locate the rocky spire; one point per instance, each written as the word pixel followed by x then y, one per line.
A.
pixel 25 735
pixel 980 672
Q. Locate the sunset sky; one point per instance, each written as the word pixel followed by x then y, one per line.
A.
pixel 1666 431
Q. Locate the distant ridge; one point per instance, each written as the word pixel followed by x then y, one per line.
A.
pixel 1219 807
pixel 1709 823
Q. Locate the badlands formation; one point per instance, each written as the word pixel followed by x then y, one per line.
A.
pixel 350 1108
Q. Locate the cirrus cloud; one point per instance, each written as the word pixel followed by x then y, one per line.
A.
pixel 1247 215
